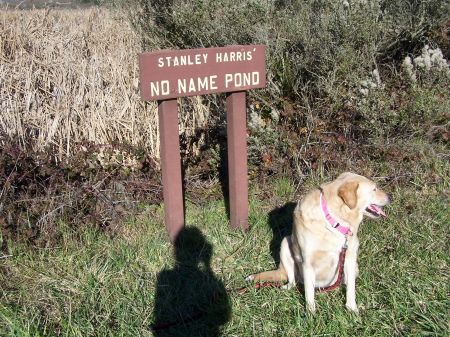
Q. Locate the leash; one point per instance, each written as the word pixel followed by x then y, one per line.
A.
pixel 317 289
pixel 200 313
pixel 340 272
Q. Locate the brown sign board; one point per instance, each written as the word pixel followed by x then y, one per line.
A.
pixel 179 73
pixel 166 75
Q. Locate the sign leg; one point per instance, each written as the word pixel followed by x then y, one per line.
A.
pixel 171 167
pixel 237 159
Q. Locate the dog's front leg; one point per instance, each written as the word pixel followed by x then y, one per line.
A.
pixel 309 280
pixel 350 270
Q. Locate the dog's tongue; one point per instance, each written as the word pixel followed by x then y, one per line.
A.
pixel 378 210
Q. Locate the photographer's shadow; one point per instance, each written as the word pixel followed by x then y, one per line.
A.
pixel 190 300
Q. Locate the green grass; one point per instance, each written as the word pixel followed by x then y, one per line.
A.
pixel 94 283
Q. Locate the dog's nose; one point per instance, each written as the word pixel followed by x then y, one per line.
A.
pixel 390 197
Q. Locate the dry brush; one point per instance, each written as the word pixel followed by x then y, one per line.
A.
pixel 70 76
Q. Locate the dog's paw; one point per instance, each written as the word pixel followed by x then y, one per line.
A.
pixel 287 286
pixel 310 308
pixel 353 307
pixel 249 278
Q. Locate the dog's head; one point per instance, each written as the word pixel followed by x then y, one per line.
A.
pixel 362 195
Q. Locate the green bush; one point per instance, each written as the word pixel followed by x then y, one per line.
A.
pixel 335 71
pixel 314 47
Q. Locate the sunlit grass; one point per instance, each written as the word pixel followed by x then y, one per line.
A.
pixel 96 284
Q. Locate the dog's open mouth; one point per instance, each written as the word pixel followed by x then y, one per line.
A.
pixel 375 211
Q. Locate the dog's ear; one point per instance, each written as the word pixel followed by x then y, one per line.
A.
pixel 348 193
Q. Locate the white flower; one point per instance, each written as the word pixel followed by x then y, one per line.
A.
pixel 438 60
pixel 255 122
pixel 430 63
pixel 409 68
pixel 408 63
pixel 364 92
pixel 418 62
pixel 427 61
pixel 376 76
pixel 275 116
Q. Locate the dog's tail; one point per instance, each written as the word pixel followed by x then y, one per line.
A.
pixel 278 275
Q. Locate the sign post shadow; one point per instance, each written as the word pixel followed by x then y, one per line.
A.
pixel 166 75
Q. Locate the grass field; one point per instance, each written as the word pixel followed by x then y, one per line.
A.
pixel 96 284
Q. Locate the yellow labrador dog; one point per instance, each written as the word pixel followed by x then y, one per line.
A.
pixel 325 222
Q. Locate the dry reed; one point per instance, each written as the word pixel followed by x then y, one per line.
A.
pixel 72 75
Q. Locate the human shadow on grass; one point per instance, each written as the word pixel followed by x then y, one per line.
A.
pixel 280 221
pixel 190 300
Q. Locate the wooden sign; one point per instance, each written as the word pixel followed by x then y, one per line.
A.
pixel 166 75
pixel 180 73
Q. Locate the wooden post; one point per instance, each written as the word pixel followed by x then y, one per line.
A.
pixel 237 159
pixel 171 167
pixel 168 74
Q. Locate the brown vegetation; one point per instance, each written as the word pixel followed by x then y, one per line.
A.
pixel 78 143
pixel 70 76
pixel 72 123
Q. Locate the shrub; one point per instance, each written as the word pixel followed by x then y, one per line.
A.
pixel 315 47
pixel 332 66
pixel 97 187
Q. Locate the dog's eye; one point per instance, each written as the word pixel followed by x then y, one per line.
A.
pixel 375 189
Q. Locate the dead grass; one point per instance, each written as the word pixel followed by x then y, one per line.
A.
pixel 72 75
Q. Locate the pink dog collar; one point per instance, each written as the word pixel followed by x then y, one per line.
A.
pixel 332 221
